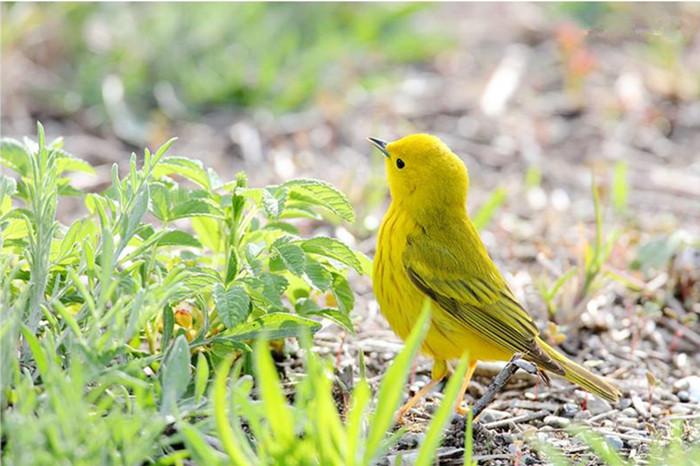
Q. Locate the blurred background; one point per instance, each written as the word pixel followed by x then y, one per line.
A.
pixel 534 97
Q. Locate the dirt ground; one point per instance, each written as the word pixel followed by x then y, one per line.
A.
pixel 506 104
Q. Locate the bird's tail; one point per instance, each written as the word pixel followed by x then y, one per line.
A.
pixel 581 376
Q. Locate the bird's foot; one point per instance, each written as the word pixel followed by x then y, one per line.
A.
pixel 500 381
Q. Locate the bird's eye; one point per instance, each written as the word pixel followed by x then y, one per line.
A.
pixel 400 164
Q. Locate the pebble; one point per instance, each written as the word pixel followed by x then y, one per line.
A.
pixel 410 441
pixel 583 415
pixel 683 396
pixel 680 410
pixel 628 421
pixel 640 406
pixel 680 360
pixel 556 421
pixel 625 403
pixel 615 442
pixel 490 415
pixel 597 406
pixel 630 412
pixel 690 384
pixel 568 410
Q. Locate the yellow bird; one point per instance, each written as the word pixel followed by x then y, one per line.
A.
pixel 429 248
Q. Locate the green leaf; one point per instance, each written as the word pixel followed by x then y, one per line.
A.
pixel 168 326
pixel 292 255
pixel 201 377
pixel 317 273
pixel 657 252
pixel 231 443
pixel 320 193
pixel 273 400
pixel 196 208
pixel 274 326
pixel 69 163
pixel 388 397
pixel 135 215
pixel 231 267
pixel 200 450
pixel 175 374
pixel 192 170
pixel 331 248
pixel 207 230
pixel 339 317
pixel 42 362
pixel 8 186
pixel 273 201
pixel 178 238
pixel 343 293
pixel 78 233
pixel 160 201
pixel 232 305
pixel 14 154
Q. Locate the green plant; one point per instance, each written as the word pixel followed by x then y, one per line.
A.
pixel 311 430
pixel 108 311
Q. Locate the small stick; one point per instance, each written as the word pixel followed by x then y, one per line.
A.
pixel 500 381
pixel 517 419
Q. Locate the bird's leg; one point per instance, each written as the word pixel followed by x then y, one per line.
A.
pixel 465 383
pixel 501 380
pixel 438 373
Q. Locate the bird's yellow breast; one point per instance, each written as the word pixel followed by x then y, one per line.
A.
pixel 401 302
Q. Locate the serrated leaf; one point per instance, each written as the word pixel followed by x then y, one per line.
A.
pixel 69 163
pixel 343 293
pixel 332 248
pixel 274 326
pixel 317 273
pixel 323 194
pixel 339 317
pixel 160 201
pixel 273 287
pixel 292 255
pixel 14 154
pixel 8 186
pixel 196 208
pixel 192 170
pixel 178 238
pixel 273 201
pixel 232 305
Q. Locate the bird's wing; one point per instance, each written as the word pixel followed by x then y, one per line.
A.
pixel 473 293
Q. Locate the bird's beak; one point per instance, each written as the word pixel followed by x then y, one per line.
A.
pixel 381 145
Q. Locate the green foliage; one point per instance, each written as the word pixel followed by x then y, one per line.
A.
pixel 107 313
pixel 311 430
pixel 198 57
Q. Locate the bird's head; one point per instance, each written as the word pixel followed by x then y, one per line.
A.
pixel 423 172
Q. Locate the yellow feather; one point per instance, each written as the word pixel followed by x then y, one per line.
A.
pixel 428 248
